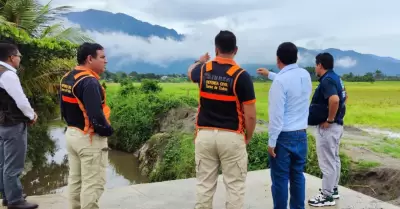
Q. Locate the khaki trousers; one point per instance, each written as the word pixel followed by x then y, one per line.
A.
pixel 214 148
pixel 87 168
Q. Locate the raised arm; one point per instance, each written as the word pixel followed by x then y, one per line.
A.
pixel 266 73
pixel 194 69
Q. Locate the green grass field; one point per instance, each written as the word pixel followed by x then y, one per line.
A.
pixel 370 104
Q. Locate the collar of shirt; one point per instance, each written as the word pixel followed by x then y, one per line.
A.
pixel 8 66
pixel 89 70
pixel 288 68
pixel 328 71
pixel 222 60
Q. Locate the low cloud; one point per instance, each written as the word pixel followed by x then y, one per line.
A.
pixel 252 49
pixel 257 45
pixel 306 59
pixel 346 62
pixel 259 26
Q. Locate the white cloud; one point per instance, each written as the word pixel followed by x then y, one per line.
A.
pixel 306 59
pixel 346 62
pixel 260 27
pixel 253 49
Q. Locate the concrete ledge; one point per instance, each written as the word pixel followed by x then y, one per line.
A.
pixel 180 194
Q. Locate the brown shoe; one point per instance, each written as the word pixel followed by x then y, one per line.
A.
pixel 22 205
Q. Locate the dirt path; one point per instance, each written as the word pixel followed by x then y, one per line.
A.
pixel 356 143
pixel 379 176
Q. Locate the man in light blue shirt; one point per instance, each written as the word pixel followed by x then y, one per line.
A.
pixel 289 100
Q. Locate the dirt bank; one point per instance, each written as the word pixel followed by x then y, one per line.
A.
pixel 381 183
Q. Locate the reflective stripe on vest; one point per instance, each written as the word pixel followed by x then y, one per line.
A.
pixel 220 88
pixel 68 95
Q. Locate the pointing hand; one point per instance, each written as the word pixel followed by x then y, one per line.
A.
pixel 204 58
pixel 263 72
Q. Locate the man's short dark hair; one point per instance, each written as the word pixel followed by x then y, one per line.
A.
pixel 325 59
pixel 287 53
pixel 225 41
pixel 7 50
pixel 87 49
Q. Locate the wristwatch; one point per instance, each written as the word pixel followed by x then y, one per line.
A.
pixel 330 121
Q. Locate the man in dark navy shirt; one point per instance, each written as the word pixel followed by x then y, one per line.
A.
pixel 330 96
pixel 225 123
pixel 84 109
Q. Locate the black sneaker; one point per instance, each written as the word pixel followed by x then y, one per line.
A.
pixel 321 200
pixel 335 193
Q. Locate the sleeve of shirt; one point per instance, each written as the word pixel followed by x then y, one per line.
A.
pixel 245 89
pixel 89 93
pixel 271 76
pixel 328 88
pixel 195 74
pixel 12 85
pixel 277 99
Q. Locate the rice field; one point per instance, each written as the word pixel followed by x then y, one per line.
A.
pixel 374 105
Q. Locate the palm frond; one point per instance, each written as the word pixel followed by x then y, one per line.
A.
pixel 21 13
pixel 49 30
pixel 3 21
pixel 42 78
pixel 74 35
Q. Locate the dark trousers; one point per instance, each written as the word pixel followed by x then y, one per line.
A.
pixel 288 166
pixel 13 145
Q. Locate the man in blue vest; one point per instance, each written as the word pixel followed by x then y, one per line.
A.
pixel 327 111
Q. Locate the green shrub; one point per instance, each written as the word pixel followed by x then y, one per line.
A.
pixel 127 90
pixel 178 159
pixel 135 116
pixel 257 151
pixel 125 81
pixel 149 86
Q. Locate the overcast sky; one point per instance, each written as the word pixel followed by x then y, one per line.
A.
pixel 260 25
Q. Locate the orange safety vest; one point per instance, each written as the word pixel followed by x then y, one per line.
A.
pixel 219 106
pixel 75 113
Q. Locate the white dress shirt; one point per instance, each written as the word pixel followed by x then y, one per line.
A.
pixel 10 82
pixel 289 100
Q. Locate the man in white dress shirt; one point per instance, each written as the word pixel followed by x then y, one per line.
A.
pixel 15 114
pixel 288 109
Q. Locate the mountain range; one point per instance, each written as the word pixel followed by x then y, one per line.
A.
pixel 103 22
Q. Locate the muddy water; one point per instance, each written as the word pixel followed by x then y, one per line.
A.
pixel 52 177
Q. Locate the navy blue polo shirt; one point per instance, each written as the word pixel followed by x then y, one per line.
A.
pixel 327 88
